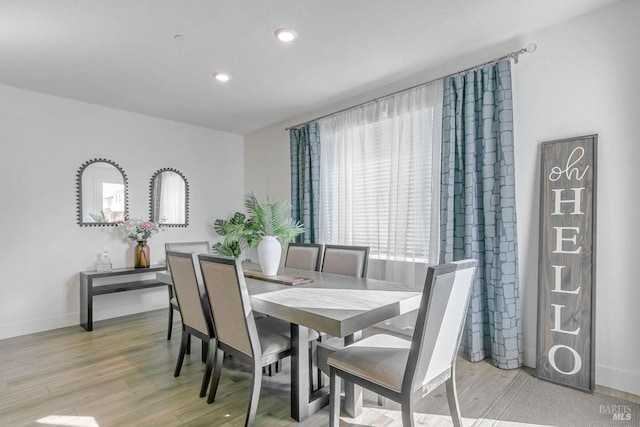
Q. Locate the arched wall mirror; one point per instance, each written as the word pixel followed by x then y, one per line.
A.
pixel 169 193
pixel 102 193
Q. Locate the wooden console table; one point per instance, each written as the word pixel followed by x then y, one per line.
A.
pixel 88 290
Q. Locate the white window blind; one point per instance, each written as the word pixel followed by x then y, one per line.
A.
pixel 380 176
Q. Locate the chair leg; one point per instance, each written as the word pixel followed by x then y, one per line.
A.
pixel 334 398
pixel 189 344
pixel 320 374
pixel 255 396
pixel 207 369
pixel 218 356
pixel 272 369
pixel 313 367
pixel 321 379
pixel 452 397
pixel 205 351
pixel 407 413
pixel 266 370
pixel 316 377
pixel 381 400
pixel 170 327
pixel 183 348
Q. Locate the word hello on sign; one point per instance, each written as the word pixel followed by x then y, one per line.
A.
pixel 566 290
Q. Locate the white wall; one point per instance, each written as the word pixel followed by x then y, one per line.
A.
pixel 583 79
pixel 267 166
pixel 44 140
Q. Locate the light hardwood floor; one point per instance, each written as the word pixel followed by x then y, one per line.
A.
pixel 121 374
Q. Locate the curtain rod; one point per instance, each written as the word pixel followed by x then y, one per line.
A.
pixel 530 48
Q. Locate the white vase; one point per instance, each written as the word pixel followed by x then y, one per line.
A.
pixel 269 252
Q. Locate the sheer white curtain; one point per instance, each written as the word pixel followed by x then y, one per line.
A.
pixel 379 173
pixel 172 202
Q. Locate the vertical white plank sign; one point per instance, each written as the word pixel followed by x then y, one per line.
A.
pixel 566 288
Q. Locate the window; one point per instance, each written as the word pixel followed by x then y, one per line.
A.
pixel 379 176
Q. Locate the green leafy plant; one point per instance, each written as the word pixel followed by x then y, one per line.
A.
pixel 264 219
pixel 238 233
pixel 268 218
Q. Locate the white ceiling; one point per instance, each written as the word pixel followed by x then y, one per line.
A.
pixel 123 53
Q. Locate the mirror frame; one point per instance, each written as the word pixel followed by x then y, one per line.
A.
pixel 186 197
pixel 79 194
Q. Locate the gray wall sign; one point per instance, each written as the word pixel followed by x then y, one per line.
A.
pixel 566 277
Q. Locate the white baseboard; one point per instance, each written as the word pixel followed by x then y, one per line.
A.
pixel 33 326
pixel 617 379
pixel 529 357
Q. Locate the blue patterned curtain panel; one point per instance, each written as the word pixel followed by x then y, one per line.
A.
pixel 478 211
pixel 305 179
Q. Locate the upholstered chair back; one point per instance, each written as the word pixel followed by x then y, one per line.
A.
pixel 304 256
pixel 203 247
pixel 439 325
pixel 230 304
pixel 346 260
pixel 185 285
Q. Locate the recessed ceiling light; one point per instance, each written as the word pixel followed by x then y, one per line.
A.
pixel 221 77
pixel 285 34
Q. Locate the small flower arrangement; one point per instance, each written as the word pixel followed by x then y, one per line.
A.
pixel 139 230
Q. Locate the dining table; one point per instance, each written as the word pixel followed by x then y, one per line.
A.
pixel 341 306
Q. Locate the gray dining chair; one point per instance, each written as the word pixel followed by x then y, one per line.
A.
pixel 203 247
pixel 257 343
pixel 401 369
pixel 346 260
pixel 194 310
pixel 304 256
